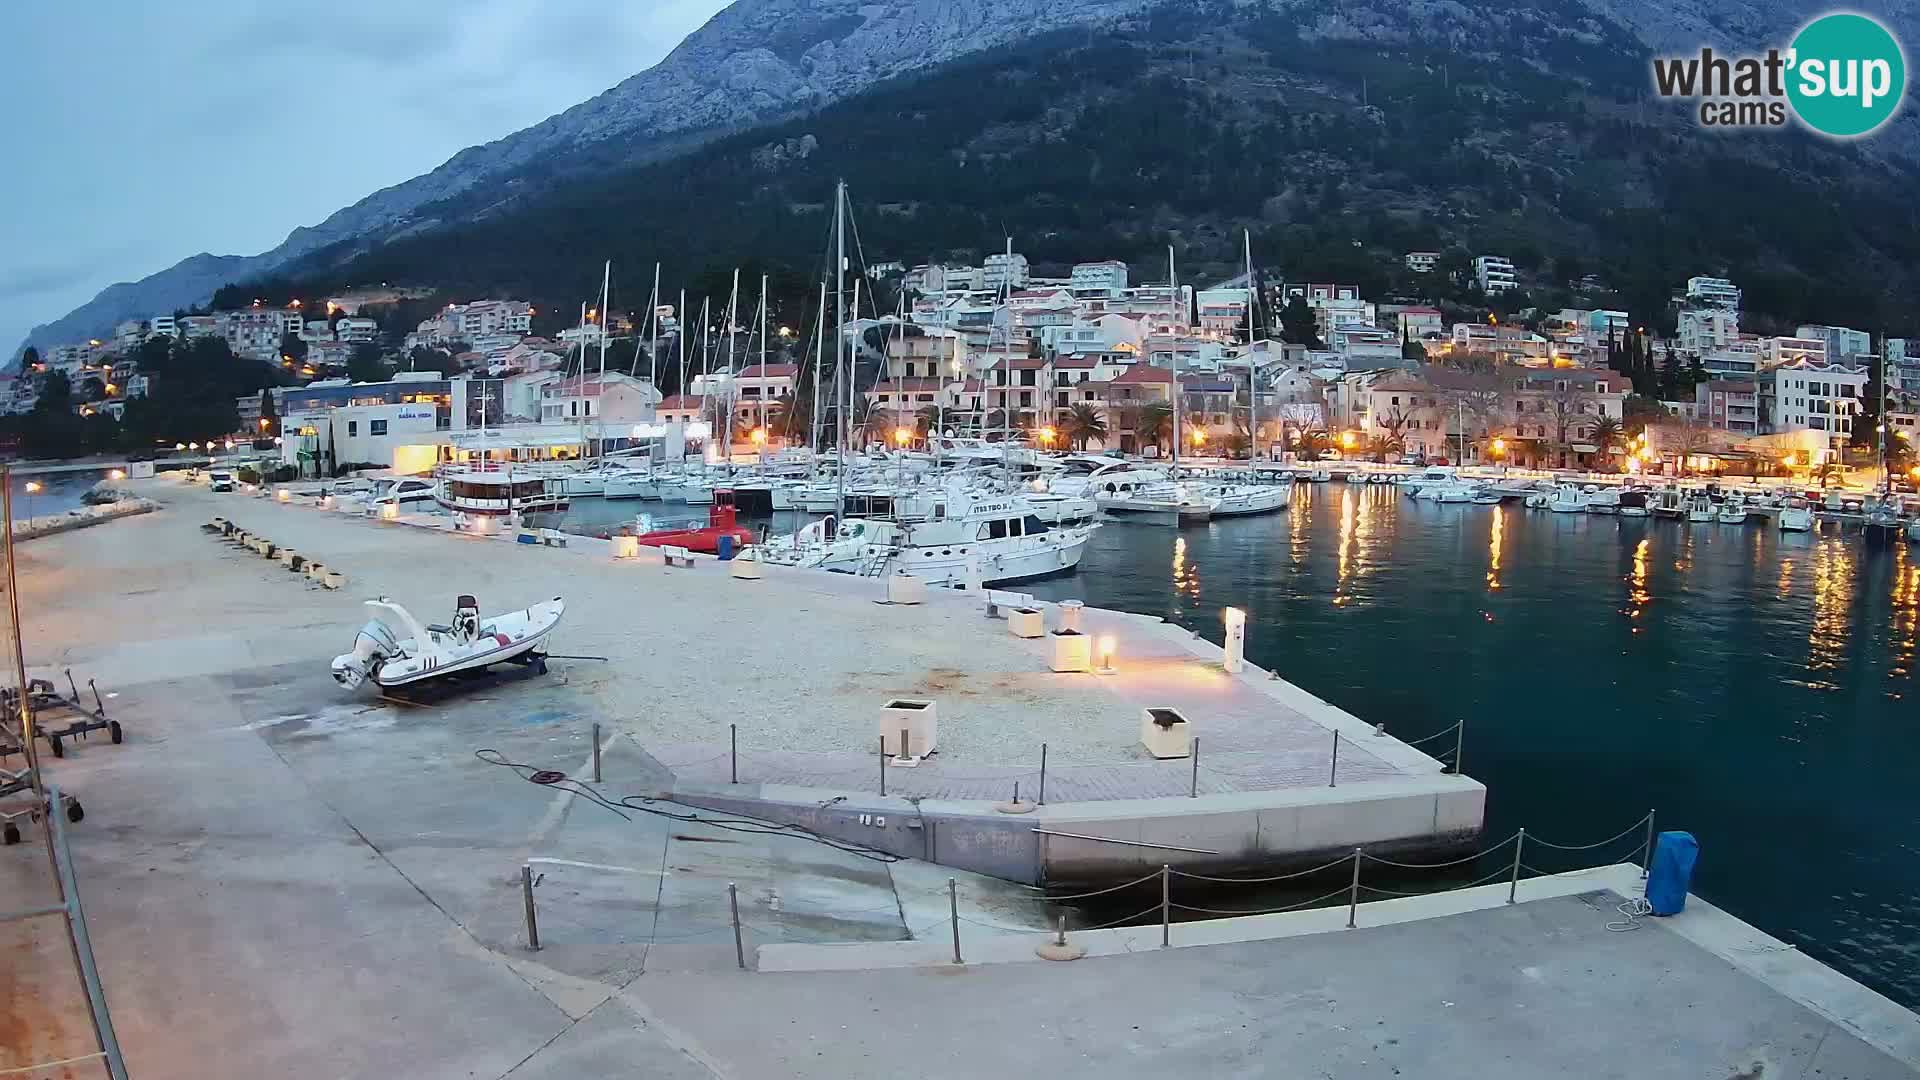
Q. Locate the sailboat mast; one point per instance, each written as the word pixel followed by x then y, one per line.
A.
pixel 840 343
pixel 1173 296
pixel 733 375
pixel 819 371
pixel 763 366
pixel 1253 385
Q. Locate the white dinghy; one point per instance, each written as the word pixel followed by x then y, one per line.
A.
pixel 396 650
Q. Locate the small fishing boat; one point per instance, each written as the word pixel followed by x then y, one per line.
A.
pixel 1567 499
pixel 1700 509
pixel 1796 516
pixel 706 539
pixel 1633 504
pixel 395 650
pixel 1604 501
pixel 1320 476
pixel 1732 512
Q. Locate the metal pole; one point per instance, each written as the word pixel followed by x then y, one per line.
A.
pixel 733 753
pixel 1043 774
pixel 82 943
pixel 526 894
pixel 1353 891
pixel 1193 786
pixel 883 766
pixel 1646 856
pixel 739 948
pixel 1459 744
pixel 1513 886
pixel 29 753
pixel 953 908
pixel 1333 771
pixel 596 751
pixel 1166 905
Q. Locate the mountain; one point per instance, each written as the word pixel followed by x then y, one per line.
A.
pixel 755 60
pixel 1545 101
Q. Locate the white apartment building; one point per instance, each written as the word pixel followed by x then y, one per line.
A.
pixel 1816 397
pixel 1004 271
pixel 1421 322
pixel 1333 306
pixel 1705 329
pixel 1223 311
pixel 609 397
pixel 1713 292
pixel 1422 262
pixel 128 335
pixel 316 330
pixel 1110 275
pixel 1842 344
pixel 1778 351
pixel 163 326
pixel 1494 273
pixel 355 330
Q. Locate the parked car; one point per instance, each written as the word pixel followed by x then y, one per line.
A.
pixel 220 480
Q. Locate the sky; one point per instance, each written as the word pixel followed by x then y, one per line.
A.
pixel 139 133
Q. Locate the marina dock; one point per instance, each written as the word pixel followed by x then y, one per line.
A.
pixel 288 880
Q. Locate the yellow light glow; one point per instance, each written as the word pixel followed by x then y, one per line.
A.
pixel 117 474
pixel 193 446
pixel 179 446
pixel 1047 435
pixel 903 436
pixel 759 436
pixel 263 423
pixel 229 444
pixel 1499 446
pixel 1347 440
pixel 1199 438
pixel 1790 460
pixel 33 487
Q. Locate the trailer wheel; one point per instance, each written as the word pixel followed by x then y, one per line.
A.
pixel 59 748
pixel 10 834
pixel 75 812
pixel 113 729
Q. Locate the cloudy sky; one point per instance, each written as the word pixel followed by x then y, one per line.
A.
pixel 140 133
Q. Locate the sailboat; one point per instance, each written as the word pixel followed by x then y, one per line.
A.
pixel 1883 524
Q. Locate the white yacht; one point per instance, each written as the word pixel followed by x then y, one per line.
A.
pixel 1700 509
pixel 403 491
pixel 1567 499
pixel 1240 500
pixel 497 489
pixel 1796 516
pixel 1731 512
pixel 997 534
pixel 1604 501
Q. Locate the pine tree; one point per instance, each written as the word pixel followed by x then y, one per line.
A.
pixel 1671 377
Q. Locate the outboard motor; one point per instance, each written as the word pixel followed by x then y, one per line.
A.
pixel 374 645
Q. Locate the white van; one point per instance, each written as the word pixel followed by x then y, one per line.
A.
pixel 219 480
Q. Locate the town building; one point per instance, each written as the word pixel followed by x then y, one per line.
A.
pixel 1842 345
pixel 1712 292
pixel 1004 271
pixel 610 397
pixel 1421 323
pixel 1705 329
pixel 1422 262
pixel 355 330
pixel 1817 397
pixel 1728 405
pixel 1494 274
pixel 1109 276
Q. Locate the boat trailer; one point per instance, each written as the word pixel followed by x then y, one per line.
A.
pixel 43 698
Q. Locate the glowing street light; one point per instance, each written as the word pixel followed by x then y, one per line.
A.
pixel 1348 440
pixel 903 436
pixel 117 474
pixel 1199 438
pixel 33 488
pixel 1047 435
pixel 759 436
pixel 1499 446
pixel 263 423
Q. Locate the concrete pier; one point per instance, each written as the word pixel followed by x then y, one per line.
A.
pixel 285 880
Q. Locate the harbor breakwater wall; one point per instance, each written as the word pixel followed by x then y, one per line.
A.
pixel 84 517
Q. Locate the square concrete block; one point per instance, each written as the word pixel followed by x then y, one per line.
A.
pixel 1165 732
pixel 917 718
pixel 624 547
pixel 906 589
pixel 744 569
pixel 1073 652
pixel 1026 623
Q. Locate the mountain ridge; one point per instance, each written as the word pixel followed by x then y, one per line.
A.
pixel 760 60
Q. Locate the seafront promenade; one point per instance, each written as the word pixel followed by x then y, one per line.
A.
pixel 286 879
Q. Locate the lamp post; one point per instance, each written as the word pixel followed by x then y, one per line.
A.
pixel 33 488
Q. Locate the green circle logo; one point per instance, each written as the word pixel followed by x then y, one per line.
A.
pixel 1846 75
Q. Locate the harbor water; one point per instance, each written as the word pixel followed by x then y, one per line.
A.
pixel 1755 688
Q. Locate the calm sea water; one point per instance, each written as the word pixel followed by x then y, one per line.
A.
pixel 1755 688
pixel 59 492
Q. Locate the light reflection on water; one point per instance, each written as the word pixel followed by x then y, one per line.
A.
pixel 1750 688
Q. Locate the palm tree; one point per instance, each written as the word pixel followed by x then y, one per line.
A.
pixel 927 418
pixel 878 427
pixel 1083 423
pixel 792 417
pixel 1154 423
pixel 1607 434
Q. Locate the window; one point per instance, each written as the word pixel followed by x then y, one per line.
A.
pixel 376 427
pixel 353 428
pixel 1027 377
pixel 1846 390
pixel 1026 398
pixel 991 530
pixel 1034 525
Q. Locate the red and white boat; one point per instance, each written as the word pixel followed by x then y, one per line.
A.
pixel 721 522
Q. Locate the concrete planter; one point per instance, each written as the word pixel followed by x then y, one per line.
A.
pixel 917 718
pixel 745 568
pixel 1071 651
pixel 333 579
pixel 624 547
pixel 1165 732
pixel 389 511
pixel 1026 623
pixel 906 589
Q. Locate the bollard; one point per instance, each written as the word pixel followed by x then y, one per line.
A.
pixel 1459 744
pixel 1333 772
pixel 526 893
pixel 1513 886
pixel 1193 785
pixel 1236 643
pixel 953 906
pixel 1353 891
pixel 1166 905
pixel 1060 948
pixel 1043 776
pixel 1646 855
pixel 596 751
pixel 739 947
pixel 733 753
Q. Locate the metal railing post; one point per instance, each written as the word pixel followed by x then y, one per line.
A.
pixel 883 766
pixel 1166 905
pixel 733 753
pixel 596 751
pixel 1353 892
pixel 1646 854
pixel 1193 786
pixel 1043 774
pixel 739 947
pixel 77 934
pixel 526 894
pixel 953 909
pixel 1459 744
pixel 1333 771
pixel 1513 886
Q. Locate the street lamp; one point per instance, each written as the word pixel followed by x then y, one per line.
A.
pixel 1047 435
pixel 33 488
pixel 903 436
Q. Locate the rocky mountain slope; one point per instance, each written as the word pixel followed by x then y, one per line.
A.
pixel 762 60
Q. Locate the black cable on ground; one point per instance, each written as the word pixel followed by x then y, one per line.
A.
pixel 643 805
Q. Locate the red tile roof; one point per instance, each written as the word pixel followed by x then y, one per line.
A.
pixel 770 371
pixel 684 401
pixel 1145 373
pixel 916 384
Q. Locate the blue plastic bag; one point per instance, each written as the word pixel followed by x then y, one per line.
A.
pixel 1671 874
